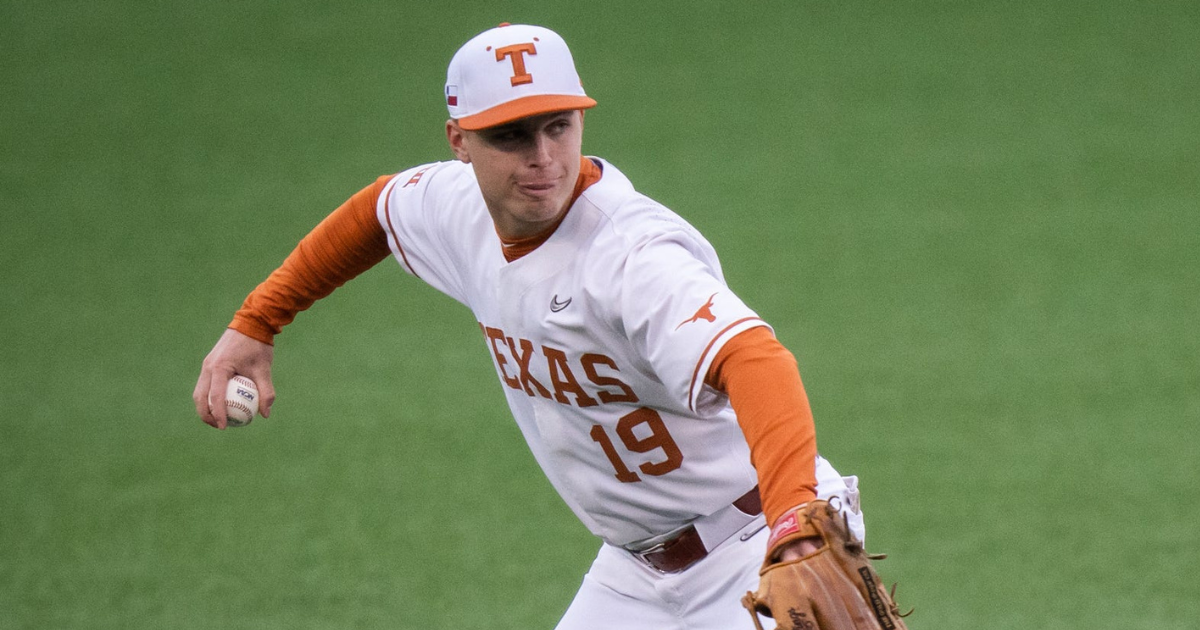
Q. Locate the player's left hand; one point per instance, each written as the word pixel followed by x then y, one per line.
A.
pixel 800 548
pixel 817 576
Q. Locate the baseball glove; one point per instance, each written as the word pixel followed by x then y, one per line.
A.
pixel 833 588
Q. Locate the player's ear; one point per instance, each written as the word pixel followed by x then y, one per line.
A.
pixel 457 139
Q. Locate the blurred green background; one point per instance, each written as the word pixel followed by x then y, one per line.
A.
pixel 975 224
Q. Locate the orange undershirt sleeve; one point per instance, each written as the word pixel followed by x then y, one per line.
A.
pixel 763 383
pixel 348 242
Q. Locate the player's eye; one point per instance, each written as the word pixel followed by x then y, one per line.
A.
pixel 559 126
pixel 506 139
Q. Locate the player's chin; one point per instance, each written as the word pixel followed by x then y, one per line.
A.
pixel 536 209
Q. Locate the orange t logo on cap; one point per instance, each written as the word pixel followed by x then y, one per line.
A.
pixel 516 53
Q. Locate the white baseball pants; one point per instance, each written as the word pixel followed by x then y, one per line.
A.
pixel 620 592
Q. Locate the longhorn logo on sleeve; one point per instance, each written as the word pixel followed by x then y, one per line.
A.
pixel 704 313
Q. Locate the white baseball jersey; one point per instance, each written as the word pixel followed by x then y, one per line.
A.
pixel 601 339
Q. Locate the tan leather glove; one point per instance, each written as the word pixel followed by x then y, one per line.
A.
pixel 833 588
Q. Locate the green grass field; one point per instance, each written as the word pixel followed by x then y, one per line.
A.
pixel 977 225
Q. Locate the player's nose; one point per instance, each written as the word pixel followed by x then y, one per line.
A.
pixel 540 153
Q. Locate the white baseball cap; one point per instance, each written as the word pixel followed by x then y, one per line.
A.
pixel 511 72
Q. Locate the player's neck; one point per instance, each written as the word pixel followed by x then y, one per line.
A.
pixel 515 248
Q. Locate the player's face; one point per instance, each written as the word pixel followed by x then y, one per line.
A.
pixel 526 169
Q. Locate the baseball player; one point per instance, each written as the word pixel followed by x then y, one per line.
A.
pixel 659 405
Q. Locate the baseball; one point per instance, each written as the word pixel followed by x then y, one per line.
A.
pixel 241 401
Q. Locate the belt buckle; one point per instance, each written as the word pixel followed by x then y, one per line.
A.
pixel 675 554
pixel 642 555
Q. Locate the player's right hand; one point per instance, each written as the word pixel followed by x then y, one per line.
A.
pixel 234 353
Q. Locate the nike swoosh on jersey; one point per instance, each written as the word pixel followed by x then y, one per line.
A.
pixel 556 306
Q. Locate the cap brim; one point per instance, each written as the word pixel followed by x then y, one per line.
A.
pixel 524 108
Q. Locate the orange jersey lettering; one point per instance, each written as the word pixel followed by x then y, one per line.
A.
pixel 590 361
pixel 525 378
pixel 508 351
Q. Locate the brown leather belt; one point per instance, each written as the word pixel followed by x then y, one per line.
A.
pixel 686 548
